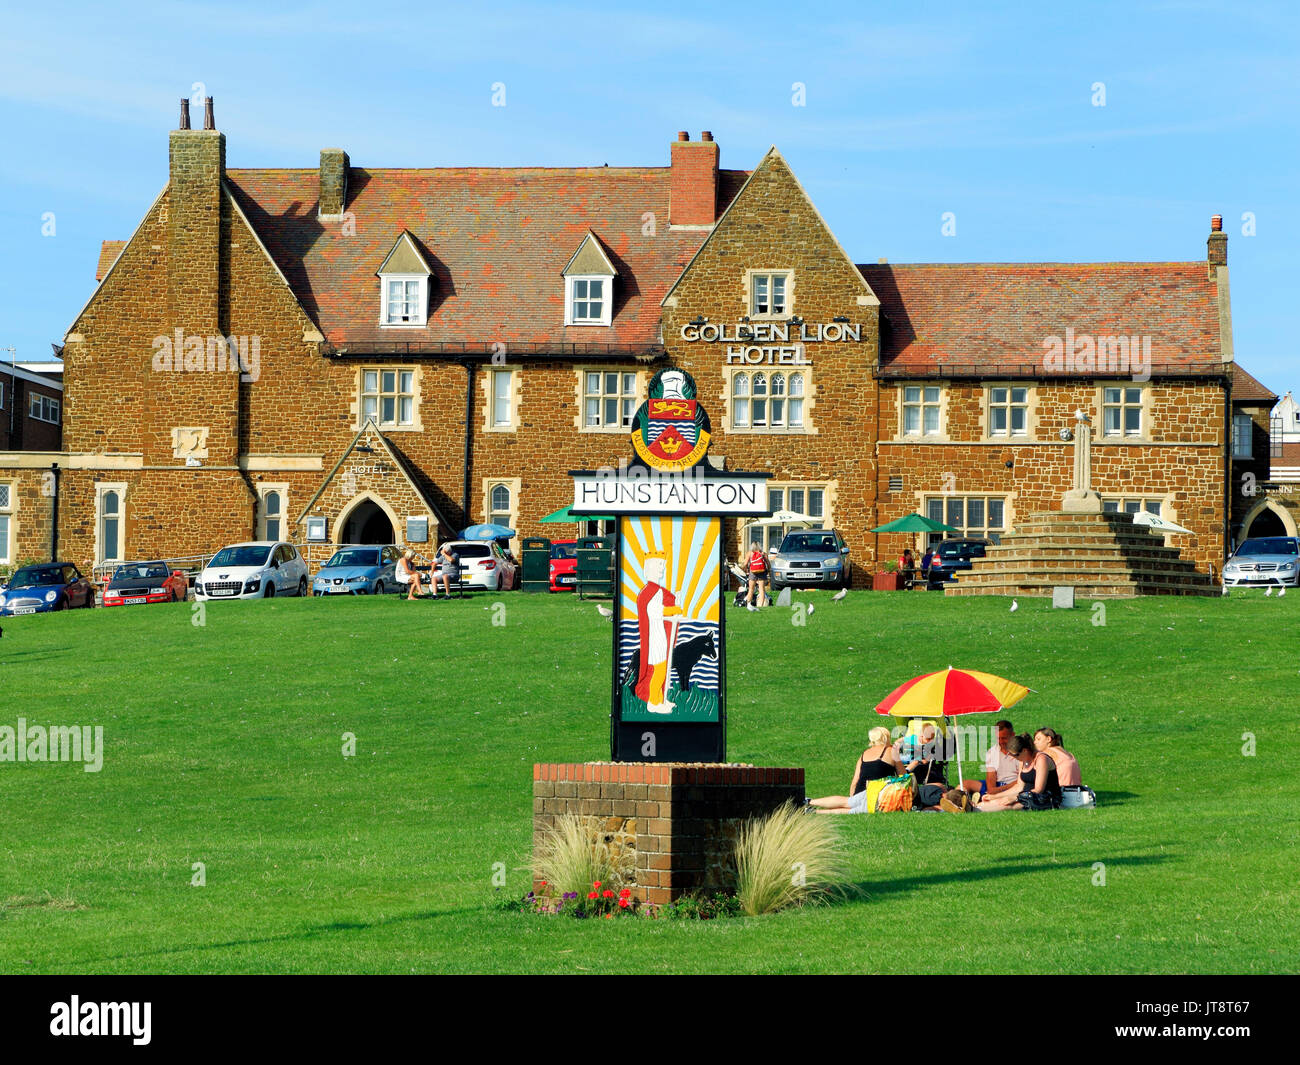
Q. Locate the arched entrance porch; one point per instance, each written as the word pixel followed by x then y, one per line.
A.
pixel 367 520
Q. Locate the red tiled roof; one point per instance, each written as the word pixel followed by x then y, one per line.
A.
pixel 993 317
pixel 1246 389
pixel 109 250
pixel 496 240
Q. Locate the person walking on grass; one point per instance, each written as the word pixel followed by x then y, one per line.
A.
pixel 758 567
pixel 410 576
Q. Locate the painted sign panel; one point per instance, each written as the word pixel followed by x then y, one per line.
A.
pixel 669 639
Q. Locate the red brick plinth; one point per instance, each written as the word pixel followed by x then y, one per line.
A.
pixel 680 818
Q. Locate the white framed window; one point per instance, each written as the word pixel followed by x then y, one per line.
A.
pixel 588 300
pixel 272 509
pixel 388 397
pixel 1121 410
pixel 501 399
pixel 769 294
pixel 500 505
pixel 405 299
pixel 982 516
pixel 8 492
pixel 1243 436
pixel 810 499
pixel 1008 411
pixel 1132 504
pixel 110 523
pixel 922 409
pixel 44 409
pixel 608 399
pixel 769 400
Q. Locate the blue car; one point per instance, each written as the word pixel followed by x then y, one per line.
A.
pixel 45 587
pixel 358 571
pixel 954 557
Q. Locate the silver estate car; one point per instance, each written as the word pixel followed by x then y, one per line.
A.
pixel 1264 561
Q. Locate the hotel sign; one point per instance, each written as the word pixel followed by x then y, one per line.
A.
pixel 781 343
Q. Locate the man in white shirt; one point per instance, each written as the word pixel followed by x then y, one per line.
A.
pixel 1001 770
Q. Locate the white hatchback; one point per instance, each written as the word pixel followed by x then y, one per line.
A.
pixel 258 570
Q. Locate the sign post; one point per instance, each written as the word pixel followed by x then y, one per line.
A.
pixel 668 690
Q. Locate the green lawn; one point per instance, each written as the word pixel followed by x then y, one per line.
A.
pixel 223 745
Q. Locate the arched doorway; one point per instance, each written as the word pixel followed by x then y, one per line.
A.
pixel 1268 519
pixel 367 523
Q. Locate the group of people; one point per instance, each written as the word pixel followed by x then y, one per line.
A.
pixel 908 566
pixel 445 562
pixel 1021 772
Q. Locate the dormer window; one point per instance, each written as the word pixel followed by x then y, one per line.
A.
pixel 404 285
pixel 589 285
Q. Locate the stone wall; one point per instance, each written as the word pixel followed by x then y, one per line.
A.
pixel 681 819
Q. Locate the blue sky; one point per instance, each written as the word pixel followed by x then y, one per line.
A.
pixel 910 111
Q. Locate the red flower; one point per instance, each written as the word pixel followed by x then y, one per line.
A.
pixel 625 893
pixel 608 916
pixel 607 893
pixel 595 883
pixel 591 895
pixel 624 903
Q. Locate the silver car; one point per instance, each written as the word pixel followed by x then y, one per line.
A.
pixel 1264 561
pixel 816 557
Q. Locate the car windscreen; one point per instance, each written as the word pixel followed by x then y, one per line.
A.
pixel 1269 545
pixel 472 550
pixel 564 550
pixel 143 571
pixel 241 556
pixel 808 544
pixel 961 549
pixel 353 558
pixel 36 576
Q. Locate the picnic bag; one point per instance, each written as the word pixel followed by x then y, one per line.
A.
pixel 891 794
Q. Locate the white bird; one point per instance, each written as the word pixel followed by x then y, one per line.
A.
pixel 838 596
pixel 811 608
pixel 1281 592
pixel 1015 605
pixel 1268 591
pixel 604 611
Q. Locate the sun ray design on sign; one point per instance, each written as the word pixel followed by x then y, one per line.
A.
pixel 689 544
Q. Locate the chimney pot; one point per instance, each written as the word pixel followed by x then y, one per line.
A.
pixel 185 113
pixel 208 121
pixel 1216 223
pixel 706 136
pixel 333 183
pixel 1216 245
pixel 682 135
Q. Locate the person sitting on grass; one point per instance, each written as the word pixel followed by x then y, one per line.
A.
pixel 1048 740
pixel 878 762
pixel 1040 789
pixel 407 574
pixel 918 755
pixel 1001 771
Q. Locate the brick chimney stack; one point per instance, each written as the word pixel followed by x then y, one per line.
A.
pixel 1216 247
pixel 333 183
pixel 198 171
pixel 694 189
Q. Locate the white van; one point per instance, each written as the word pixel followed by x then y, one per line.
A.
pixel 257 570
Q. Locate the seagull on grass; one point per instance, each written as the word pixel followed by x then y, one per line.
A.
pixel 604 611
pixel 838 596
pixel 1268 591
pixel 1015 605
pixel 1281 592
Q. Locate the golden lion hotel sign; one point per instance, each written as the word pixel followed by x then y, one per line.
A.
pixel 769 343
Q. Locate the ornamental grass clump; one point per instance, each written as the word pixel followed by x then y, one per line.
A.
pixel 574 853
pixel 788 858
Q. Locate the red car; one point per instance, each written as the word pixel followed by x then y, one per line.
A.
pixel 137 583
pixel 564 565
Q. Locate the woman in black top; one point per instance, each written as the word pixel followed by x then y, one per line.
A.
pixel 1039 787
pixel 877 762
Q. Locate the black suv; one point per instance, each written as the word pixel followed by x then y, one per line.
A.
pixel 954 556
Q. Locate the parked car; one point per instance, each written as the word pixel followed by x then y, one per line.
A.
pixel 954 557
pixel 1262 561
pixel 138 583
pixel 482 565
pixel 258 570
pixel 564 565
pixel 41 588
pixel 817 557
pixel 358 571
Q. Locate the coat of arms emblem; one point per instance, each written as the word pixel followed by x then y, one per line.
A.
pixel 671 429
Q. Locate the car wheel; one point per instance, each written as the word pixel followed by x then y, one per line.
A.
pixel 270 590
pixel 379 588
pixel 302 588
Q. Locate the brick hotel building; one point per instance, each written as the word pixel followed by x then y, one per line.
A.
pixel 447 343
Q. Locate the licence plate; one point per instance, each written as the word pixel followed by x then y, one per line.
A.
pixel 795 576
pixel 566 580
pixel 25 610
pixel 133 602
